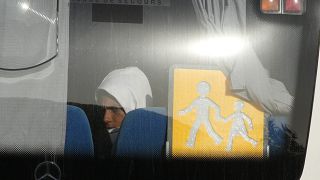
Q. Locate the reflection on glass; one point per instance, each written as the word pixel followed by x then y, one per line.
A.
pixel 28 33
pixel 25 6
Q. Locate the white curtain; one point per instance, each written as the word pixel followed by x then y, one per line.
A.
pixel 249 79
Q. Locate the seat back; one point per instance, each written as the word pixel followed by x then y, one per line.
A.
pixel 142 134
pixel 279 134
pixel 78 140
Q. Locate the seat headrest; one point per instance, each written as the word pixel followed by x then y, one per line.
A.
pixel 78 134
pixel 143 133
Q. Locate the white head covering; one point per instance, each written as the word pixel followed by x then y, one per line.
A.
pixel 129 86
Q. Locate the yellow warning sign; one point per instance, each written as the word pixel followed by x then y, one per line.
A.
pixel 208 122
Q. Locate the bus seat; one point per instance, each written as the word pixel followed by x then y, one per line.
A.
pixel 78 140
pixel 142 133
pixel 279 135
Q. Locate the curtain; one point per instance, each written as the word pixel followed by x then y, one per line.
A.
pixel 248 78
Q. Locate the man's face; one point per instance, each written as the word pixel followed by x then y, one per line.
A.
pixel 114 113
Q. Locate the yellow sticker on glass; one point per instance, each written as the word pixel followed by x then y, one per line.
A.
pixel 208 122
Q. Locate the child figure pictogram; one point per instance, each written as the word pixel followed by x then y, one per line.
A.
pixel 238 126
pixel 202 105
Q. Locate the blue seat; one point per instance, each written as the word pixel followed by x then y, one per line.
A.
pixel 142 134
pixel 280 136
pixel 78 140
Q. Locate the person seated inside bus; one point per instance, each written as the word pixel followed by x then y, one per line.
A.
pixel 120 92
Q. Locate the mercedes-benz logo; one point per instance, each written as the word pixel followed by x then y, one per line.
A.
pixel 47 170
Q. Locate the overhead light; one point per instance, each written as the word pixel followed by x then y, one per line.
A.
pixel 219 46
pixel 270 6
pixel 296 7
